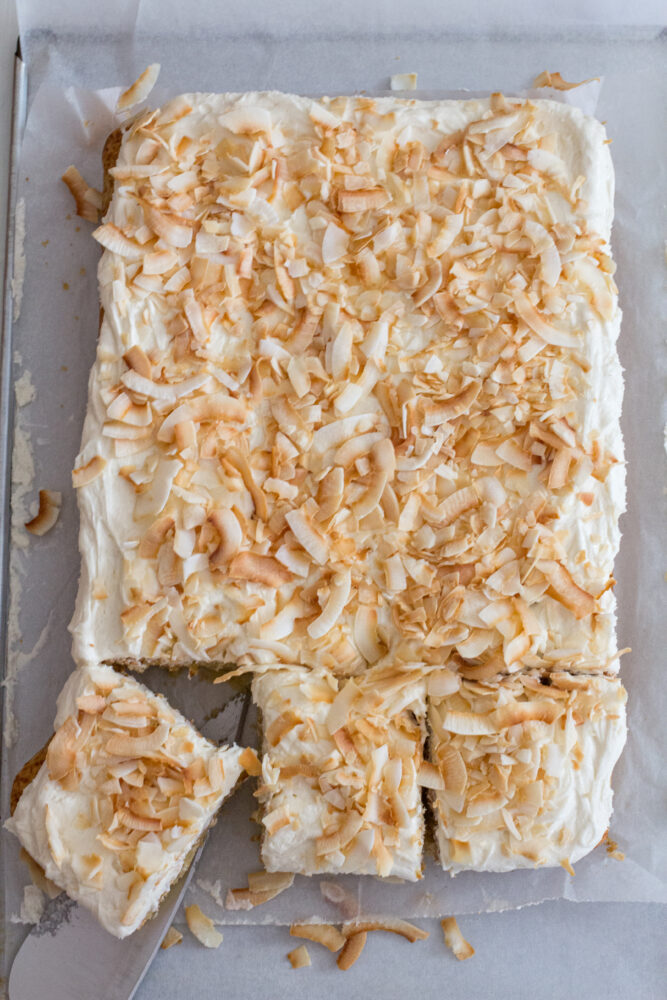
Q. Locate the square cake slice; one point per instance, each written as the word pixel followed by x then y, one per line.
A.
pixel 525 769
pixel 126 792
pixel 357 395
pixel 340 784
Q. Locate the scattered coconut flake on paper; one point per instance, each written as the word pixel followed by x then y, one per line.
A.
pixel 87 199
pixel 202 927
pixel 50 502
pixel 556 81
pixel 299 958
pixel 172 937
pixel 455 940
pixel 403 81
pixel 140 89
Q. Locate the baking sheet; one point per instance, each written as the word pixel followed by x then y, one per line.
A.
pixel 55 345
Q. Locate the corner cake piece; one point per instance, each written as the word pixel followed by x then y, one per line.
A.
pixel 525 769
pixel 126 792
pixel 357 396
pixel 340 784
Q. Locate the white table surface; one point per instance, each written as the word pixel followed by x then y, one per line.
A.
pixel 547 952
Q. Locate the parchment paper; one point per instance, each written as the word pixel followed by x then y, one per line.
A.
pixel 55 340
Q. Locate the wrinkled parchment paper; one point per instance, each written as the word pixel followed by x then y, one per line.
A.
pixel 54 339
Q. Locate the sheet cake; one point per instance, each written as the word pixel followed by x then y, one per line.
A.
pixel 355 411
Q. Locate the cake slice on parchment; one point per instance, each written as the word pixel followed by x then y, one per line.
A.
pixel 125 791
pixel 525 769
pixel 341 769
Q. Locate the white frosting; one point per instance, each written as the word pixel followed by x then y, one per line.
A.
pixel 300 809
pixel 111 570
pixel 60 828
pixel 557 801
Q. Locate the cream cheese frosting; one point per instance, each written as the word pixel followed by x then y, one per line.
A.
pixel 340 783
pixel 354 352
pixel 525 770
pixel 126 792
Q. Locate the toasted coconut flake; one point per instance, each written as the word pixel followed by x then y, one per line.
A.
pixel 85 474
pixel 91 703
pixel 325 934
pixel 61 755
pixel 392 924
pixel 457 504
pixel 202 927
pixel 516 649
pixel 174 231
pixel 231 536
pixel 50 502
pixel 248 899
pixel 269 881
pixel 366 635
pixel 342 703
pixel 351 950
pixel 526 711
pixel 453 769
pixel 132 821
pixel 442 683
pixel 112 239
pixel 468 723
pixel 383 462
pixel 338 597
pixel 560 467
pixel 249 761
pixel 455 940
pixel 171 938
pixel 259 569
pixel 140 89
pixel 308 536
pixel 137 359
pixel 334 244
pixel 299 957
pixel 121 745
pixel 247 120
pixel 565 590
pixel 532 318
pixel 88 200
pixel 509 451
pixel 155 536
pixel 240 462
pixel 360 201
pixel 403 81
pixel 331 492
pixel 432 284
pixel 556 81
pixel 430 777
